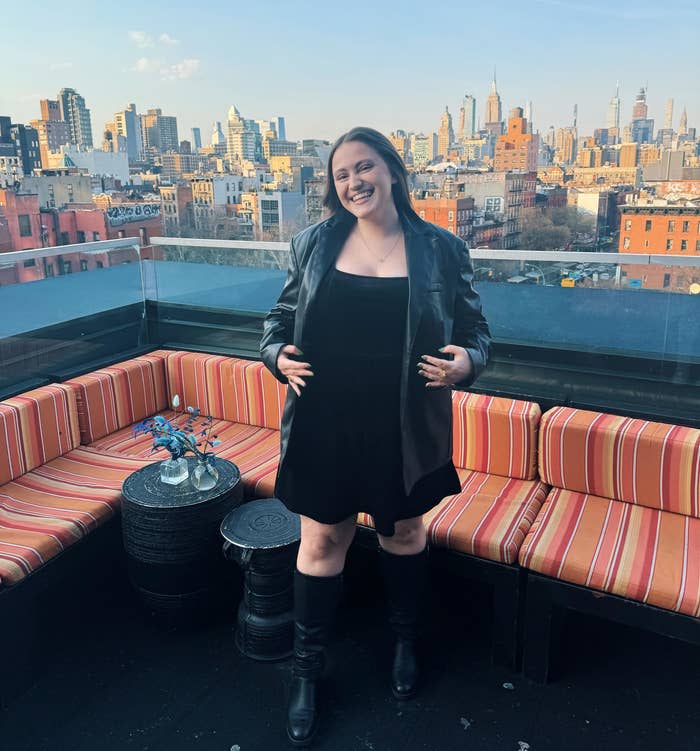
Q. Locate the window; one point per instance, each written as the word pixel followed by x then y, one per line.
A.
pixel 451 228
pixel 628 225
pixel 450 216
pixel 669 244
pixel 48 269
pixel 684 245
pixel 667 280
pixel 100 265
pixel 95 236
pixel 65 238
pixel 25 225
pixel 685 227
pixel 121 233
pixel 647 225
pixel 646 243
pixel 626 243
pixel 31 262
pixel 671 225
pixel 697 246
pixel 81 236
pixel 422 214
pixel 143 235
pixel 66 267
pixel 83 265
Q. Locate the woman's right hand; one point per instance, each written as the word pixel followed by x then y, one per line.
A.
pixel 293 369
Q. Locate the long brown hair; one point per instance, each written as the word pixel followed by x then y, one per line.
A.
pixel 382 145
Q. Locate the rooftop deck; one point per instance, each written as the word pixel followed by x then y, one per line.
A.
pixel 112 679
pixel 115 680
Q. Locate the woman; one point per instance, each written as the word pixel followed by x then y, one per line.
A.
pixel 376 319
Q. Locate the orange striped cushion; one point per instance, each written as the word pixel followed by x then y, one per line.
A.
pixel 495 435
pixel 488 519
pixel 48 423
pixel 114 397
pixel 254 450
pixel 47 510
pixel 646 463
pixel 636 552
pixel 11 454
pixel 226 388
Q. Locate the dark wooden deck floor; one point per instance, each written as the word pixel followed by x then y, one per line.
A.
pixel 117 681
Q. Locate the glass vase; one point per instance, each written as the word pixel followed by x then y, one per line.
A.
pixel 173 471
pixel 204 476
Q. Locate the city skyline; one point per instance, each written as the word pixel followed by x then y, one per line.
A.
pixel 327 72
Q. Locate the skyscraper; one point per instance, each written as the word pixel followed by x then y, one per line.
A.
pixel 517 149
pixel 446 134
pixel 196 139
pixel 159 132
pixel 668 115
pixel 467 117
pixel 640 109
pixel 683 123
pixel 240 140
pixel 493 116
pixel 128 125
pixel 613 120
pixel 77 115
pixel 218 139
pixel 280 127
pixel 641 127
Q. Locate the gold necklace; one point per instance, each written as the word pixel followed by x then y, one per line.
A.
pixel 391 250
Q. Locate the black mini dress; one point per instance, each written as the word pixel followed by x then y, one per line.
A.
pixel 344 449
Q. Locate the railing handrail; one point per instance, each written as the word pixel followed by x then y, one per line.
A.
pixel 14 256
pixel 484 254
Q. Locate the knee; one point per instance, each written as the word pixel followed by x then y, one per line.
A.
pixel 409 537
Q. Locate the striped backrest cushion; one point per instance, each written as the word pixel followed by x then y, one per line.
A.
pixel 495 435
pixel 48 423
pixel 11 454
pixel 115 397
pixel 648 463
pixel 227 388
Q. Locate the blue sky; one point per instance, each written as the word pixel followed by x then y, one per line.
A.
pixel 329 66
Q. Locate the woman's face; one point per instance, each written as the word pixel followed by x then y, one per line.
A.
pixel 362 180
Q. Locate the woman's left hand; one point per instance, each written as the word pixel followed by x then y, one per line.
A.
pixel 441 373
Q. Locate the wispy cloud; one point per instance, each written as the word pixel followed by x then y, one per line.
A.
pixel 141 39
pixel 60 66
pixel 185 69
pixel 168 72
pixel 165 38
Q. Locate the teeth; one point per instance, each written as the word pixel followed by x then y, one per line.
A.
pixel 359 196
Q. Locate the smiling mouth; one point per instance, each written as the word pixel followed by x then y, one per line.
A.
pixel 358 197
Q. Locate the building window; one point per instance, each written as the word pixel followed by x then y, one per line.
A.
pixel 450 216
pixel 646 243
pixel 48 270
pixel 25 225
pixel 65 238
pixel 669 244
pixel 685 227
pixel 100 265
pixel 121 233
pixel 143 235
pixel 671 225
pixel 422 214
pixel 81 236
pixel 29 263
pixel 66 267
pixel 697 246
pixel 626 243
pixel 95 236
pixel 667 280
pixel 684 245
pixel 83 265
pixel 647 225
pixel 628 225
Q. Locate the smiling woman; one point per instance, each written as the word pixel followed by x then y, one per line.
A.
pixel 372 294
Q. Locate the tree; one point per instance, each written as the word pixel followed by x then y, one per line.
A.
pixel 539 232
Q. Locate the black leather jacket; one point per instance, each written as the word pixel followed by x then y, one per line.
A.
pixel 443 308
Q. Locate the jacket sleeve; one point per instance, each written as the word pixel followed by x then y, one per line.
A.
pixel 278 327
pixel 471 330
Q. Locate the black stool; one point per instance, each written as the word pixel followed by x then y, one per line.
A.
pixel 262 537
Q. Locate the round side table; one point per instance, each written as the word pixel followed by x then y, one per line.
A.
pixel 262 537
pixel 171 537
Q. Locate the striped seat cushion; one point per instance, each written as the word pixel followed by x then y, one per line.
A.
pixel 254 450
pixel 227 388
pixel 633 551
pixel 488 519
pixel 646 463
pixel 115 397
pixel 495 435
pixel 48 509
pixel 47 421
pixel 11 453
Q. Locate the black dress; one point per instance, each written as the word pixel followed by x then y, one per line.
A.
pixel 344 450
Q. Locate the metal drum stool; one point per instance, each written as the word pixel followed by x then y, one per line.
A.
pixel 262 537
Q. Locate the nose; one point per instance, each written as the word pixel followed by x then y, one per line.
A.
pixel 355 182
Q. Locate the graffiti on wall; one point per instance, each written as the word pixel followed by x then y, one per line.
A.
pixel 133 212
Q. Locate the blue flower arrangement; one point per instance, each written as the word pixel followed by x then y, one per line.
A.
pixel 194 437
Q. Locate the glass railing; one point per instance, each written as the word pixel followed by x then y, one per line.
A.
pixel 629 305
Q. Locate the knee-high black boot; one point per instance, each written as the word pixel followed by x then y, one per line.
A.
pixel 405 578
pixel 315 602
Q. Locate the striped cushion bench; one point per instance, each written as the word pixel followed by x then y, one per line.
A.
pixel 623 515
pixel 494 452
pixel 53 491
